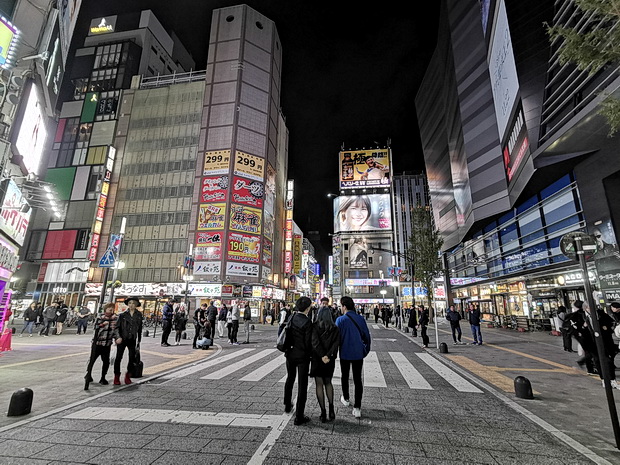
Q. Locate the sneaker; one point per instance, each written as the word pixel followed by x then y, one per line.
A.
pixel 614 384
pixel 21 335
pixel 345 402
pixel 357 412
pixel 480 343
pixel 235 343
pixel 30 335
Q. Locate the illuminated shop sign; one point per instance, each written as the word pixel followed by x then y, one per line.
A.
pixel 102 203
pixel 367 168
pixel 9 38
pixel 102 25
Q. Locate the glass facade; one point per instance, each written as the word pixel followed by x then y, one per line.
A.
pixel 524 239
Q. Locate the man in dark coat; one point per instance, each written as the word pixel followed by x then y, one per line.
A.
pixel 474 322
pixel 129 325
pixel 211 315
pixel 454 318
pixel 413 321
pixel 423 322
pixel 299 335
pixel 166 321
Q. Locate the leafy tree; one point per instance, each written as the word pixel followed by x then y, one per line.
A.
pixel 424 248
pixel 591 50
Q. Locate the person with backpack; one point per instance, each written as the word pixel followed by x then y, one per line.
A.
pixel 284 316
pixel 211 315
pixel 247 320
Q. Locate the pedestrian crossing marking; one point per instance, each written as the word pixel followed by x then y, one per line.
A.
pixel 264 370
pixel 206 364
pixel 414 379
pixel 376 327
pixel 219 374
pixel 457 381
pixel 373 375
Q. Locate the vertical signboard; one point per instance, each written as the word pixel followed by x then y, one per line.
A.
pixel 102 202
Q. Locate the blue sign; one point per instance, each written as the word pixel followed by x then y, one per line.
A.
pixel 107 260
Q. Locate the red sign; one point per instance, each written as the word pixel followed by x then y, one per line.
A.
pixel 248 192
pixel 208 246
pixel 214 188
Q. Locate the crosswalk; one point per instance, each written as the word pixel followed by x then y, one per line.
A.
pixel 418 371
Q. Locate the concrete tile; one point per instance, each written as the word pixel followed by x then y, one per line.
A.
pixel 194 444
pixel 340 456
pixel 73 437
pixel 65 452
pixel 133 441
pixel 228 447
pixel 127 456
pixel 308 453
pixel 26 433
pixel 19 448
pixel 177 458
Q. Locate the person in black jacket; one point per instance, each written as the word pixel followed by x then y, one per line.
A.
pixel 299 335
pixel 130 330
pixel 211 315
pixel 61 316
pixel 325 343
pixel 166 321
pixel 198 320
pixel 413 321
pixel 454 318
pixel 423 322
pixel 474 322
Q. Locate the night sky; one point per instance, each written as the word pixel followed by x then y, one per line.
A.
pixel 350 76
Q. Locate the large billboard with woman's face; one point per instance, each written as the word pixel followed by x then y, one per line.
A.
pixel 362 213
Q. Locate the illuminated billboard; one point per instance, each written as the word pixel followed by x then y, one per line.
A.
pixel 9 36
pixel 362 213
pixel 358 253
pixel 13 222
pixel 364 168
pixel 32 135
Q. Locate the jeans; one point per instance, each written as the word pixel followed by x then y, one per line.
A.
pixel 130 344
pixel 246 328
pixel 293 369
pixel 82 324
pixel 345 366
pixel 475 331
pixel 456 330
pixel 28 325
pixel 47 324
pixel 234 331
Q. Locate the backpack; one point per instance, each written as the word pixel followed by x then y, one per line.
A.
pixel 283 343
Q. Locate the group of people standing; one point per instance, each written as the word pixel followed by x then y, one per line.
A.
pixel 53 318
pixel 312 347
pixel 209 317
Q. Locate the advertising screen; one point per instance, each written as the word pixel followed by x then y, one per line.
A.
pixel 364 168
pixel 362 213
pixel 358 253
pixel 32 135
pixel 8 34
pixel 13 222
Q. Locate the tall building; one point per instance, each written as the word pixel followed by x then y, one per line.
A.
pixel 517 156
pixel 63 249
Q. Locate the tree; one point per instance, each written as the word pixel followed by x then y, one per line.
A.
pixel 592 49
pixel 424 248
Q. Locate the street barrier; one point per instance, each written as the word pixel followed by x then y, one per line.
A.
pixel 523 388
pixel 21 402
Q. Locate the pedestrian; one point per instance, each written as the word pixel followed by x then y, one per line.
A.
pixel 606 324
pixel 454 318
pixel 376 313
pixel 61 316
pixel 566 339
pixel 221 320
pixel 49 318
pixel 167 314
pixel 384 315
pixel 247 320
pixel 423 323
pixel 235 314
pixel 576 326
pixel 325 342
pixel 199 316
pixel 413 322
pixel 474 322
pixel 82 320
pixel 354 343
pixel 39 320
pixel 105 332
pixel 299 335
pixel 229 323
pixel 179 323
pixel 30 317
pixel 284 315
pixel 130 331
pixel 211 316
pixel 272 313
pixel 398 315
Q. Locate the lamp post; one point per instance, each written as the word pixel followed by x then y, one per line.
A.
pixel 189 266
pixel 118 265
pixel 383 292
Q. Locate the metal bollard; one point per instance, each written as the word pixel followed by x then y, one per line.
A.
pixel 146 333
pixel 443 348
pixel 523 388
pixel 21 402
pixel 183 335
pixel 406 329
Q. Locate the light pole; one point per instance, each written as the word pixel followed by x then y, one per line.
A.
pixel 189 265
pixel 118 265
pixel 383 292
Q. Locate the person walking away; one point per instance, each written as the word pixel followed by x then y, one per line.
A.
pixel 454 318
pixel 235 323
pixel 130 331
pixel 398 315
pixel 566 339
pixel 166 321
pixel 61 316
pixel 384 316
pixel 576 326
pixel 211 315
pixel 413 321
pixel 82 321
pixel 30 317
pixel 299 334
pixel 423 323
pixel 221 320
pixel 284 316
pixel 199 316
pixel 325 342
pixel 606 324
pixel 474 322
pixel 353 332
pixel 229 324
pixel 49 319
pixel 247 320
pixel 106 332
pixel 180 324
pixel 376 313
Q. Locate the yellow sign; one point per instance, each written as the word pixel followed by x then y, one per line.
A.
pixel 216 162
pixel 245 219
pixel 249 166
pixel 211 216
pixel 364 168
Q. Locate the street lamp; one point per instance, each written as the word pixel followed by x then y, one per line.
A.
pixel 383 292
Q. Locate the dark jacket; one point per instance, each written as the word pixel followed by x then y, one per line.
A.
pixel 30 314
pixel 167 312
pixel 247 313
pixel 211 313
pixel 221 316
pixel 61 314
pixel 474 317
pixel 199 315
pixel 325 342
pixel 180 321
pixel 130 327
pixel 424 317
pixel 413 318
pixel 453 317
pixel 300 333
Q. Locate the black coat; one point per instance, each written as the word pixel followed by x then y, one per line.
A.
pixel 424 317
pixel 299 333
pixel 61 314
pixel 413 318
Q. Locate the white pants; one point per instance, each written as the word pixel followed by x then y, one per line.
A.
pixel 221 326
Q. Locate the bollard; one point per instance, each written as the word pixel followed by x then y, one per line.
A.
pixel 406 329
pixel 443 348
pixel 523 388
pixel 252 328
pixel 21 402
pixel 183 335
pixel 146 333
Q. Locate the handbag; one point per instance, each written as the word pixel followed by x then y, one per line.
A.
pixel 283 343
pixel 365 341
pixel 138 366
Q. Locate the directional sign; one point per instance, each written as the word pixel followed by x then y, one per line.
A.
pixel 107 260
pixel 588 244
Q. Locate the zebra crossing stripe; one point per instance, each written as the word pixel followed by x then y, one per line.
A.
pixel 458 382
pixel 373 375
pixel 206 364
pixel 264 370
pixel 412 376
pixel 219 374
pixel 375 327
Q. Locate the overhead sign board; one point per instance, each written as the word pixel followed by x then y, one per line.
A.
pixel 103 25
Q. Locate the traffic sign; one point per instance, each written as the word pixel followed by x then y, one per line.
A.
pixel 588 244
pixel 107 260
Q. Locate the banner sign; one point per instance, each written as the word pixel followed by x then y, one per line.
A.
pixel 214 188
pixel 248 192
pixel 267 252
pixel 244 247
pixel 245 219
pixel 242 269
pixel 206 268
pixel 211 216
pixel 216 162
pixel 364 168
pixel 208 246
pixel 249 166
